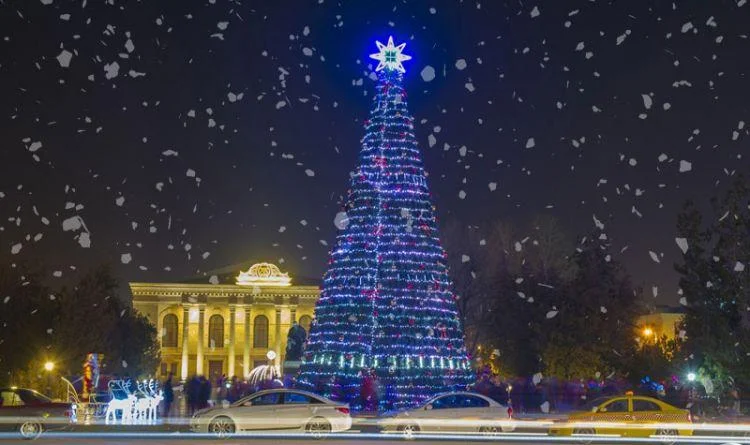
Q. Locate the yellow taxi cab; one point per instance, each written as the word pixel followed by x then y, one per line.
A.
pixel 627 415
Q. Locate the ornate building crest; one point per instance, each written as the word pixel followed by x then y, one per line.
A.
pixel 263 274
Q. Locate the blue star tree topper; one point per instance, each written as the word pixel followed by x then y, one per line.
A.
pixel 390 56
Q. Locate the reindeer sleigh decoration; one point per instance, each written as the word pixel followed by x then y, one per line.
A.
pixel 134 405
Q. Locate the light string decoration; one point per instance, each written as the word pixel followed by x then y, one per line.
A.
pixel 386 302
pixel 133 405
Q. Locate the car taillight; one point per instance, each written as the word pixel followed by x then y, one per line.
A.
pixel 342 410
pixel 510 412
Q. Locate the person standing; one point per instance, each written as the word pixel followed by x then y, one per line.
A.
pixel 204 392
pixel 193 386
pixel 234 392
pixel 168 395
pixel 498 392
pixel 367 392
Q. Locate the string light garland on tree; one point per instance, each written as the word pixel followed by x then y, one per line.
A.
pixel 386 303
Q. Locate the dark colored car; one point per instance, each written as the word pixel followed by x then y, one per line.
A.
pixel 30 412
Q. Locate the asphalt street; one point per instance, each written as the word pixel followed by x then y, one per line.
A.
pixel 102 438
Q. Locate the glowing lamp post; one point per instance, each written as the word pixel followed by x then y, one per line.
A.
pixel 691 376
pixel 648 334
pixel 49 367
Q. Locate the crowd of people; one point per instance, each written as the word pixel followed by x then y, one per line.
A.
pixel 525 395
pixel 544 394
pixel 538 394
pixel 198 392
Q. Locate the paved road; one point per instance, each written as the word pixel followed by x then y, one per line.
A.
pixel 256 441
pixel 189 439
pixel 338 439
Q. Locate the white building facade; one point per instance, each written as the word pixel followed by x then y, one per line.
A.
pixel 225 329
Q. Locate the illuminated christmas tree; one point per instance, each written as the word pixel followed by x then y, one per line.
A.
pixel 386 306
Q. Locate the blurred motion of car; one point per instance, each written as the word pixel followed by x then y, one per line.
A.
pixel 31 413
pixel 275 410
pixel 452 412
pixel 629 416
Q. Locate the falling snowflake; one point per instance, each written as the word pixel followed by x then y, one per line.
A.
pixel 341 221
pixel 111 70
pixel 537 378
pixel 428 73
pixel 64 58
pixel 682 243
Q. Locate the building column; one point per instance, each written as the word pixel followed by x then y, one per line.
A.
pixel 277 361
pixel 185 336
pixel 293 318
pixel 246 345
pixel 201 331
pixel 230 356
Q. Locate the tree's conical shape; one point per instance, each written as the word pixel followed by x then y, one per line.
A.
pixel 387 316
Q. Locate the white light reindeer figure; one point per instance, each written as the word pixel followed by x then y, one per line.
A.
pixel 142 402
pixel 146 406
pixel 121 400
pixel 157 395
pixel 153 407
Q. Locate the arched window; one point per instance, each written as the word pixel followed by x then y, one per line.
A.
pixel 260 332
pixel 169 331
pixel 216 331
pixel 305 321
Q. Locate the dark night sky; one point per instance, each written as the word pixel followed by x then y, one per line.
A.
pixel 217 111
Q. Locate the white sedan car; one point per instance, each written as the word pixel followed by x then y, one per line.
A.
pixel 274 410
pixel 453 413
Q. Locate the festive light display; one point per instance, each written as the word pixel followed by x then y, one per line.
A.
pixel 264 374
pixel 90 374
pixel 134 405
pixel 390 56
pixel 386 303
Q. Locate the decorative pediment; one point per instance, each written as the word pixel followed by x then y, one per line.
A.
pixel 263 274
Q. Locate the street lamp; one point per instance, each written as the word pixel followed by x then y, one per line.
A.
pixel 691 376
pixel 49 367
pixel 648 332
